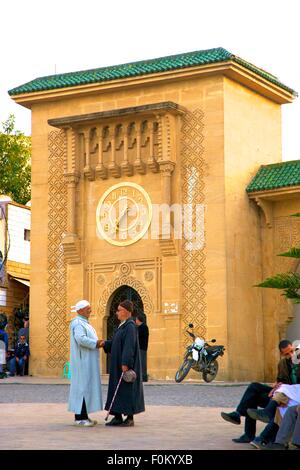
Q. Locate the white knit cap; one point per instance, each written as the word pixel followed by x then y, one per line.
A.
pixel 81 304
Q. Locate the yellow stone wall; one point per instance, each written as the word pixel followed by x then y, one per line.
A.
pixel 252 126
pixel 20 270
pixel 240 130
pixel 279 232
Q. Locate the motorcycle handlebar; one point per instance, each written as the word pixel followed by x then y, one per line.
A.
pixel 192 335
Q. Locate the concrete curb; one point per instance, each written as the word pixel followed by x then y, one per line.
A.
pixel 28 380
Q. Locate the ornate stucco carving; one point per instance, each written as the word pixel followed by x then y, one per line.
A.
pixel 286 236
pixel 110 276
pixel 57 329
pixel 148 276
pixel 121 142
pixel 193 262
pixel 71 244
pixel 267 208
pixel 128 281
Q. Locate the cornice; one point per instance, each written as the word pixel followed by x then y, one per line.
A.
pixel 278 194
pixel 116 114
pixel 229 68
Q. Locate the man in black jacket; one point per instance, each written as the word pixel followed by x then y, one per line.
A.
pixel 143 332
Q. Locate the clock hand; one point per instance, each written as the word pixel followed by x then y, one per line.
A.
pixel 121 217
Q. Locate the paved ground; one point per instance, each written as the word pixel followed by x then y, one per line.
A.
pixel 178 416
pixel 184 394
pixel 49 426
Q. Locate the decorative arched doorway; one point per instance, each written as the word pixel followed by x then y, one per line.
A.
pixel 122 293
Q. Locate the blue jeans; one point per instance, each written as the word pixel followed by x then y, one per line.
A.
pixel 13 365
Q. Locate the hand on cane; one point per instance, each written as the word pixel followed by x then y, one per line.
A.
pixel 124 368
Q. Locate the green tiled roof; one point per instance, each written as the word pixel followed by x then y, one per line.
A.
pixel 134 69
pixel 276 175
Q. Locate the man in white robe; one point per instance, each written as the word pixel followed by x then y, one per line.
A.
pixel 289 395
pixel 85 391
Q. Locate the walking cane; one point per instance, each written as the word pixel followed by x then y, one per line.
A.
pixel 117 388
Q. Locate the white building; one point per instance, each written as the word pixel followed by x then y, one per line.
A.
pixel 14 258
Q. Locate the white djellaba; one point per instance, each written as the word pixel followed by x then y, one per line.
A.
pixel 84 362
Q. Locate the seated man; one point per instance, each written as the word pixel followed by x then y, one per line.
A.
pixel 258 394
pixel 285 396
pixel 18 362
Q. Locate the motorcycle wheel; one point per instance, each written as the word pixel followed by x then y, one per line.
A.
pixel 210 373
pixel 183 370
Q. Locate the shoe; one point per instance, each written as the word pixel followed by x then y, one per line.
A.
pixel 258 442
pixel 84 423
pixel 114 422
pixel 93 421
pixel 259 415
pixel 294 446
pixel 127 422
pixel 244 439
pixel 232 417
pixel 273 446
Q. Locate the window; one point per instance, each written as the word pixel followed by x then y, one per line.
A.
pixel 27 235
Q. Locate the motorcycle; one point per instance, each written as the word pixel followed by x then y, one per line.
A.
pixel 201 357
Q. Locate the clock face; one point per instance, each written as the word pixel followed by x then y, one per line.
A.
pixel 124 214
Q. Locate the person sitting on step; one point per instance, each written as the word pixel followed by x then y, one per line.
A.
pixel 259 395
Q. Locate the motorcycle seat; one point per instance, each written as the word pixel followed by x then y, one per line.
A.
pixel 211 349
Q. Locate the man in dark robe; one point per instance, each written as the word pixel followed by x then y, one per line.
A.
pixel 125 355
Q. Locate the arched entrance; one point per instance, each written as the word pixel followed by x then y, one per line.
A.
pixel 120 294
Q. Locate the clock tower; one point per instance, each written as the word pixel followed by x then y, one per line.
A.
pixel 139 176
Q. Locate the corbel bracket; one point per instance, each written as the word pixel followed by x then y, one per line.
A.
pixel 267 208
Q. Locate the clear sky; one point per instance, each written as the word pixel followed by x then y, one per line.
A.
pixel 40 38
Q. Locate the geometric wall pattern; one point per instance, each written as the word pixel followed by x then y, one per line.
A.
pixel 130 281
pixel 193 260
pixel 286 235
pixel 57 328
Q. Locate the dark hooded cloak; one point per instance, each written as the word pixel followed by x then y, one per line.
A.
pixel 124 349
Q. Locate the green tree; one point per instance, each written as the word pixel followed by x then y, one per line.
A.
pixel 289 282
pixel 15 155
